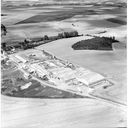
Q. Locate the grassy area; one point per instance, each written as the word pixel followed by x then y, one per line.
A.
pixel 11 74
pixel 36 90
pixel 7 65
pixel 14 80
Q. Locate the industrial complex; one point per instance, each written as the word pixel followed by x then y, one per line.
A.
pixel 58 73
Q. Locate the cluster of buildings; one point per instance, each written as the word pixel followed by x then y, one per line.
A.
pixel 61 74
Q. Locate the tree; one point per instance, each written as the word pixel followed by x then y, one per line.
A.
pixel 66 35
pixel 26 41
pixel 46 37
pixel 3 45
pixel 113 38
pixel 60 35
pixel 75 33
pixel 3 30
pixel 23 46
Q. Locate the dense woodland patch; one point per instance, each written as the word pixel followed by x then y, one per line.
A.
pixel 96 43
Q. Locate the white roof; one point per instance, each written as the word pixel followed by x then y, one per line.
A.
pixel 50 63
pixel 20 58
pixel 64 73
pixel 67 76
pixel 88 77
pixel 38 68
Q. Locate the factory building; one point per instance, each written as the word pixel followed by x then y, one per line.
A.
pixel 88 77
pixel 21 59
pixel 62 74
pixel 41 72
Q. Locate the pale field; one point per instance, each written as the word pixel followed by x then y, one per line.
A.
pixel 70 113
pixel 61 113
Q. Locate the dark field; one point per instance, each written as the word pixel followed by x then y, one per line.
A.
pixel 14 80
pixel 61 14
pixel 103 23
pixel 117 21
pixel 56 16
pixel 36 90
pixel 3 15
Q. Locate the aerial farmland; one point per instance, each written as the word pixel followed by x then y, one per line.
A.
pixel 63 63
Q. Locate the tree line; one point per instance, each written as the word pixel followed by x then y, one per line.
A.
pixel 31 43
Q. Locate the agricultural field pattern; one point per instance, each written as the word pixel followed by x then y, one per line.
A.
pixel 63 63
